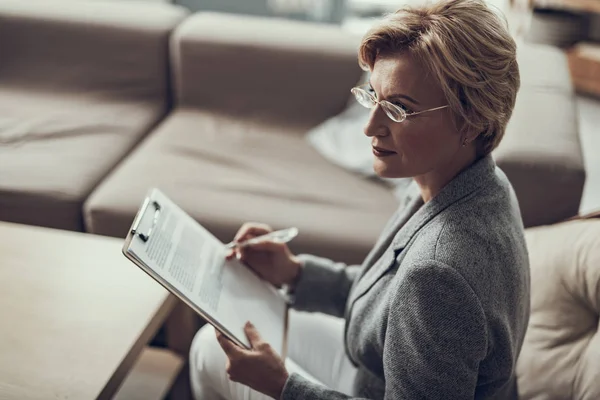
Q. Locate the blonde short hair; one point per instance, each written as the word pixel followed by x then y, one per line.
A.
pixel 468 50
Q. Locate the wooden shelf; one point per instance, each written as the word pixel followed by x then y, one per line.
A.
pixel 152 376
pixel 584 63
pixel 591 6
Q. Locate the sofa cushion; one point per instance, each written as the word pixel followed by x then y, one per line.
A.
pixel 80 85
pixel 541 153
pixel 71 142
pixel 104 48
pixel 560 358
pixel 280 70
pixel 342 141
pixel 226 171
pixel 543 67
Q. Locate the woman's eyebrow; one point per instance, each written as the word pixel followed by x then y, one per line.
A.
pixel 403 96
pixel 399 96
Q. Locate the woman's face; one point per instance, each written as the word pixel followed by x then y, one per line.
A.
pixel 421 145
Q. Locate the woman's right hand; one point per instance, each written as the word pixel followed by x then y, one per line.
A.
pixel 272 261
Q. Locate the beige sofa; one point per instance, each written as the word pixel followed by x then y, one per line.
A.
pixel 113 104
pixel 560 358
pixel 83 82
pixel 115 98
pixel 233 150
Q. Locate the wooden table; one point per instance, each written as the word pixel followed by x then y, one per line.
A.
pixel 74 314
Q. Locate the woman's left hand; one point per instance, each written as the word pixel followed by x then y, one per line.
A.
pixel 259 368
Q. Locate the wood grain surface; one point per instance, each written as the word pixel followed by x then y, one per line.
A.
pixel 74 313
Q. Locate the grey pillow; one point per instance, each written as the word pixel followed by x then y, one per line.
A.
pixel 341 140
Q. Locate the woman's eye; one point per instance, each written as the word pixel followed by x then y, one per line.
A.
pixel 402 106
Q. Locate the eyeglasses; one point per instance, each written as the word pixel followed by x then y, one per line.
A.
pixel 395 113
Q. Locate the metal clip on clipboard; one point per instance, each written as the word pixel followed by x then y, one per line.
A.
pixel 135 229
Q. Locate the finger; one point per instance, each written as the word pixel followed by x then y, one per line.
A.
pixel 230 254
pixel 252 335
pixel 231 349
pixel 251 229
pixel 230 371
pixel 264 245
pixel 233 253
pixel 244 253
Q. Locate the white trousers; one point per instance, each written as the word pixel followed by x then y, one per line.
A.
pixel 315 351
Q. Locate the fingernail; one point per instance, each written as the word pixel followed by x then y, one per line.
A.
pixel 238 255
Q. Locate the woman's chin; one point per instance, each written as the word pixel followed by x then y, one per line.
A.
pixel 384 170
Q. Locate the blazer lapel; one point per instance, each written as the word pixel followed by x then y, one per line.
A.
pixel 375 259
pixel 409 205
pixel 413 218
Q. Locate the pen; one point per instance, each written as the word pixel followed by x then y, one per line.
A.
pixel 282 236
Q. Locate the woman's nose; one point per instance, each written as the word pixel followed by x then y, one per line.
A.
pixel 376 124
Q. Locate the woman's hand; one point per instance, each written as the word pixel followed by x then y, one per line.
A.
pixel 259 368
pixel 272 261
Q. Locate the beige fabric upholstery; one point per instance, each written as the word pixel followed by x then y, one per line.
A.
pixel 105 48
pixel 543 67
pixel 246 96
pixel 541 153
pixel 80 84
pixel 227 171
pixel 560 358
pixel 264 68
pixel 74 142
pixel 235 150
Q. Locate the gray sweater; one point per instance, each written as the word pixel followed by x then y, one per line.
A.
pixel 439 308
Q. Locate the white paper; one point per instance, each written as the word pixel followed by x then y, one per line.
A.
pixel 192 260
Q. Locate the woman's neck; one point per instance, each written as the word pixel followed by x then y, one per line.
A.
pixel 431 183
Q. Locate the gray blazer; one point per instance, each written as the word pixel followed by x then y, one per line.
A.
pixel 439 308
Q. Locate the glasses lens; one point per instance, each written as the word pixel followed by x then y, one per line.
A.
pixel 394 112
pixel 364 98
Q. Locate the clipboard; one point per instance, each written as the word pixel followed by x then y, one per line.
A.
pixel 145 224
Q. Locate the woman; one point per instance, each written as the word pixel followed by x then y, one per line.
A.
pixel 439 308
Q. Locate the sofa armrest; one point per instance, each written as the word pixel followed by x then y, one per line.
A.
pixel 560 353
pixel 294 72
pixel 106 48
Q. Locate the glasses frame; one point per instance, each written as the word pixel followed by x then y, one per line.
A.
pixel 384 104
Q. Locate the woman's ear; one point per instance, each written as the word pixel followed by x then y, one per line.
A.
pixel 469 136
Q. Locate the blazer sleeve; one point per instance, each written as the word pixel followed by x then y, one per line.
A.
pixel 323 286
pixel 435 338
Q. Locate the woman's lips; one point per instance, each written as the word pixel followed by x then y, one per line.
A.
pixel 379 152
